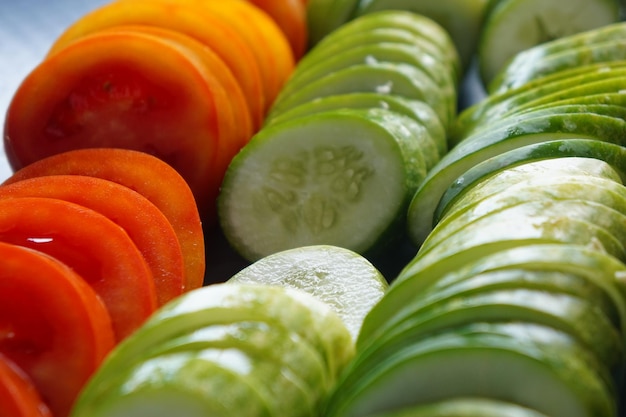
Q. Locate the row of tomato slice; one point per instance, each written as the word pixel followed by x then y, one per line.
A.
pixel 92 242
pixel 189 81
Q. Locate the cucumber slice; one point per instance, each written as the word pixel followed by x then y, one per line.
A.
pixel 576 316
pixel 313 180
pixel 340 42
pixel 391 52
pixel 513 26
pixel 542 156
pixel 608 51
pixel 381 77
pixel 482 146
pixel 462 19
pixel 601 268
pixel 539 368
pixel 525 60
pixel 464 407
pixel 470 115
pixel 285 348
pixel 314 321
pixel 415 109
pixel 425 32
pixel 177 384
pixel 601 215
pixel 495 107
pixel 326 16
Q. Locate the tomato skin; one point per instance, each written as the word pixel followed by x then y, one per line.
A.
pixel 98 250
pixel 55 327
pixel 149 176
pixel 18 395
pixel 145 224
pixel 101 91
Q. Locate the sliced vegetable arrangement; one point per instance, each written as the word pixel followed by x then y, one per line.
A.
pixel 317 136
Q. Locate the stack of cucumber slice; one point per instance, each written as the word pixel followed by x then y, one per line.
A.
pixel 363 118
pixel 516 298
pixel 225 349
pixel 559 89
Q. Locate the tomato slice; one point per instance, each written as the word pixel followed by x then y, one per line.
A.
pixel 275 58
pixel 146 225
pixel 98 250
pixel 53 326
pixel 290 16
pixel 18 395
pixel 147 175
pixel 212 32
pixel 123 90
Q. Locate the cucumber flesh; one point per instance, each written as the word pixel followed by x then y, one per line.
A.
pixel 314 179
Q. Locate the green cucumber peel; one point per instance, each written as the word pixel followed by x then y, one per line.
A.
pixel 605 270
pixel 417 110
pixel 504 80
pixel 484 145
pixel 613 154
pixel 542 370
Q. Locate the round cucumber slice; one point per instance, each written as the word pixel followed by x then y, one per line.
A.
pixel 426 33
pixel 608 51
pixel 484 145
pixel 536 367
pixel 400 79
pixel 180 383
pixel 549 95
pixel 392 52
pixel 417 110
pixel 462 19
pixel 513 26
pixel 313 180
pixel 569 45
pixel 470 116
pixel 543 156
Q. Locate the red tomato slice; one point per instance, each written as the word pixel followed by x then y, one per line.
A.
pixel 98 250
pixel 124 90
pixel 147 175
pixel 146 225
pixel 54 326
pixel 18 395
pixel 212 32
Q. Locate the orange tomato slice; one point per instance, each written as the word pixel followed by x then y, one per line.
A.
pixel 149 176
pixel 54 326
pixel 290 16
pixel 92 245
pixel 144 223
pixel 18 395
pixel 227 43
pixel 268 41
pixel 124 90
